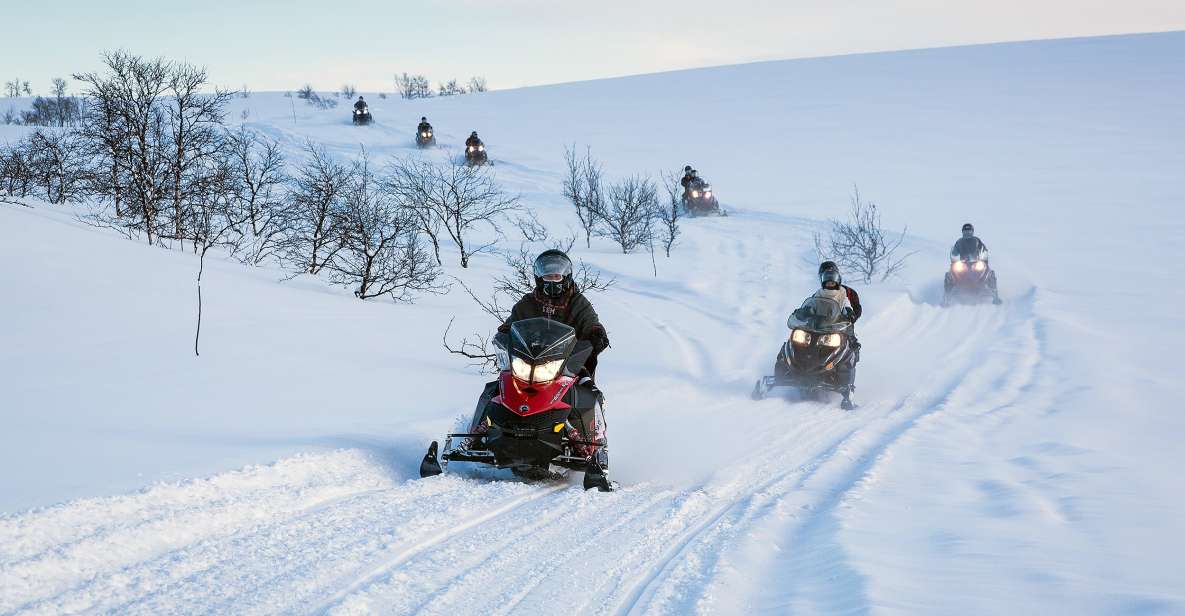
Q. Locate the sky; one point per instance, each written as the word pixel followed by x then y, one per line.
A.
pixel 282 45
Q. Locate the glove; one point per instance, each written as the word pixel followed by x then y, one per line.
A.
pixel 849 314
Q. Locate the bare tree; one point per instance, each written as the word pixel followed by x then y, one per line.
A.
pixel 212 221
pixel 582 187
pixel 452 199
pixel 349 91
pixel 668 216
pixel 860 243
pixel 256 167
pixel 16 87
pixel 16 172
pixel 477 84
pixel 59 87
pixel 450 88
pixel 194 123
pixel 629 215
pixel 57 163
pixel 381 253
pixel 412 86
pixel 130 92
pixel 314 229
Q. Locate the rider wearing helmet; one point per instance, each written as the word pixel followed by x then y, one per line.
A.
pixel 829 275
pixel 688 176
pixel 473 140
pixel 970 247
pixel 360 105
pixel 556 297
pixel 424 125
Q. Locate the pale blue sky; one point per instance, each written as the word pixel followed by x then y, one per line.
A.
pixel 274 45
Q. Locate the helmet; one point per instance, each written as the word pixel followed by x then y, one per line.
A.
pixel 687 169
pixel 553 273
pixel 829 274
pixel 423 118
pixel 359 97
pixel 473 134
pixel 968 230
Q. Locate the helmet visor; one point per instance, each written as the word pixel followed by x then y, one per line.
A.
pixel 553 265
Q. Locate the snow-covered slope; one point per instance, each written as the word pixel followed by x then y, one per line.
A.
pixel 1014 459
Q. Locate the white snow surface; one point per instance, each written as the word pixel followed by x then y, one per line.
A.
pixel 1020 459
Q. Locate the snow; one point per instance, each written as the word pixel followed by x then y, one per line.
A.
pixel 1014 459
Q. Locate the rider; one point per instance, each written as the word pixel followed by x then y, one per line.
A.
pixel 473 140
pixel 360 105
pixel 556 297
pixel 853 297
pixel 688 176
pixel 971 247
pixel 424 125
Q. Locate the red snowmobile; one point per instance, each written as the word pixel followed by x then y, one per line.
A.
pixel 538 414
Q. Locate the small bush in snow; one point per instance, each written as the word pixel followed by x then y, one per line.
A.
pixel 628 217
pixel 860 244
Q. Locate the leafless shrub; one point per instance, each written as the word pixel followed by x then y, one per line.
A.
pixel 582 187
pixel 478 84
pixel 668 216
pixel 450 88
pixel 381 253
pixel 16 172
pixel 17 87
pixel 860 244
pixel 412 86
pixel 310 96
pixel 314 231
pixel 628 218
pixel 256 187
pixel 453 200
pixel 57 165
pixel 349 91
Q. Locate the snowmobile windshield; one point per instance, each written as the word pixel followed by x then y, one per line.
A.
pixel 817 313
pixel 541 339
pixel 968 249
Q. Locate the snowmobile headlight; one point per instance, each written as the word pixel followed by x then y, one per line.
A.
pixel 481 148
pixel 470 148
pixel 831 340
pixel 695 194
pixel 545 373
pixel 521 369
pixel 707 194
pixel 980 266
pixel 958 267
pixel 800 336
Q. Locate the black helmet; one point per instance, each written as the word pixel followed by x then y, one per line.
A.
pixel 359 97
pixel 968 230
pixel 423 118
pixel 473 134
pixel 549 265
pixel 829 272
pixel 687 169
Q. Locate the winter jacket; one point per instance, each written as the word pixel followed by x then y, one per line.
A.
pixel 687 179
pixel 360 105
pixel 472 141
pixel 424 126
pixel 573 310
pixel 969 248
pixel 854 300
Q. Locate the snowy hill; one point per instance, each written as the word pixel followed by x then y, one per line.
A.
pixel 1015 459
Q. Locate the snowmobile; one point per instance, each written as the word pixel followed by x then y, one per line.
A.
pixel 819 355
pixel 967 280
pixel 425 138
pixel 538 414
pixel 700 200
pixel 476 154
pixel 362 115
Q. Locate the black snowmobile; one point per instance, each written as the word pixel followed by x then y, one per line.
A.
pixel 537 414
pixel 819 355
pixel 476 154
pixel 700 200
pixel 362 115
pixel 968 280
pixel 425 137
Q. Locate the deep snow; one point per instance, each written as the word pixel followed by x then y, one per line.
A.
pixel 1013 459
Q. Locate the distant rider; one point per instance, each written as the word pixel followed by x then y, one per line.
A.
pixel 972 248
pixel 688 176
pixel 424 125
pixel 473 140
pixel 360 106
